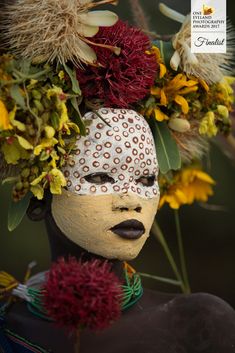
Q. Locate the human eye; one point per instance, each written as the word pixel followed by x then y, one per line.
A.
pixel 99 178
pixel 148 180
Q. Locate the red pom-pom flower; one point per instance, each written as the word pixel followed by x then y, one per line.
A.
pixel 123 79
pixel 82 294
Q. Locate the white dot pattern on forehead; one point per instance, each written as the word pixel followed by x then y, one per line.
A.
pixel 124 150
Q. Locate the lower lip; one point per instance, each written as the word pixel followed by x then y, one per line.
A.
pixel 129 233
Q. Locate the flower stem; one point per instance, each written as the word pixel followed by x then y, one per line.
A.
pixel 161 279
pixel 157 232
pixel 181 252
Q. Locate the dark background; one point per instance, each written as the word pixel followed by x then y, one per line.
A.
pixel 209 236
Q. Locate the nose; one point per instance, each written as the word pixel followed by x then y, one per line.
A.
pixel 126 202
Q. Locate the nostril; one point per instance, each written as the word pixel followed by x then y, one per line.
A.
pixel 138 209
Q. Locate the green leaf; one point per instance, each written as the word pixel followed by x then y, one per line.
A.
pixel 167 51
pixel 17 210
pixel 17 96
pixel 25 66
pixel 77 117
pixel 72 74
pixel 167 149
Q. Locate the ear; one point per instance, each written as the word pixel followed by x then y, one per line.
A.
pixel 38 209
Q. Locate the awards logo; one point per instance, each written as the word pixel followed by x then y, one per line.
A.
pixel 208 26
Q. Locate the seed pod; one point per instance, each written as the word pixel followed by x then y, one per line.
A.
pixel 45 117
pixel 55 120
pixel 36 94
pixel 179 125
pixel 26 185
pixel 25 173
pixel 34 170
pixel 19 186
pixel 49 131
pixel 46 103
pixel 38 105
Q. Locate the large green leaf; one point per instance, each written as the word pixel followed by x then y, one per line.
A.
pixel 77 118
pixel 72 74
pixel 166 49
pixel 167 149
pixel 17 210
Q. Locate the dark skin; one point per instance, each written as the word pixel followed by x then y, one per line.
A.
pixel 157 323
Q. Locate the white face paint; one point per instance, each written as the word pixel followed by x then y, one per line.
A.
pixel 111 179
pixel 122 154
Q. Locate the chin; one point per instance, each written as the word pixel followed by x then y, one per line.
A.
pixel 124 254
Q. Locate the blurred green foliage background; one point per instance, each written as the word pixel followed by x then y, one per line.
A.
pixel 209 236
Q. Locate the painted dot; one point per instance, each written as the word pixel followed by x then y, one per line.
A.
pixel 125 125
pixel 155 191
pixel 147 151
pixel 87 152
pixel 133 189
pixel 104 188
pixel 109 133
pixel 141 145
pixel 136 161
pixel 77 152
pixel 146 172
pixel 118 150
pixel 93 188
pixel 96 154
pixel 126 185
pixel 116 188
pixel 76 175
pixel 127 144
pixel 131 169
pixel 148 162
pixel 87 131
pixel 130 120
pixel 137 117
pixel 124 167
pixel 131 130
pixel 134 152
pixel 155 170
pixel 72 163
pixel 147 193
pixel 82 160
pixel 82 180
pixel 138 127
pixel 151 151
pixel 141 156
pixel 131 179
pixel 123 111
pixel 142 164
pixel 135 139
pixel 108 144
pixel 100 126
pixel 118 138
pixel 87 143
pixel 144 129
pixel 106 166
pixel 86 169
pixel 66 173
pixel 114 170
pixel 104 111
pixel 98 147
pixel 121 177
pixel 115 119
pixel 116 129
pixel 121 116
pixel 142 137
pixel 97 135
pixel 155 160
pixel 106 155
pixel 137 172
pixel 96 164
pixel 148 141
pixel 128 159
pixel 78 187
pixel 125 134
pixel 116 160
pixel 69 184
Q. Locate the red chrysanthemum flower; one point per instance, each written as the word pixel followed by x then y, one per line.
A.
pixel 124 79
pixel 82 295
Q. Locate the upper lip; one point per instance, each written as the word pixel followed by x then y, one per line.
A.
pixel 130 229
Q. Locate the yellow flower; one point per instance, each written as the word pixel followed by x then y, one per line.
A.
pixel 4 117
pixel 207 126
pixel 223 111
pixel 174 90
pixel 189 185
pixel 13 151
pixel 61 75
pixel 162 67
pixel 57 181
pixel 45 144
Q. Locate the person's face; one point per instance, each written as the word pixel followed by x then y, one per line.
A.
pixel 112 192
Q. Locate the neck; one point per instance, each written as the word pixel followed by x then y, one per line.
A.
pixel 61 246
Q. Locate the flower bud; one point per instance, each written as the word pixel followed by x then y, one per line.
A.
pixel 49 131
pixel 38 105
pixel 223 112
pixel 36 94
pixel 179 125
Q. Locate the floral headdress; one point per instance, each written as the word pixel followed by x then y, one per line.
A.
pixel 61 59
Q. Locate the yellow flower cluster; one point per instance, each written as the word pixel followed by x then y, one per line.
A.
pixel 36 132
pixel 188 185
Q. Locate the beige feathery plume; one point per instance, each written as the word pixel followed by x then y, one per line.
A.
pixel 207 66
pixel 52 30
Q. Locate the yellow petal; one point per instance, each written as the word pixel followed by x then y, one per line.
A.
pixel 88 31
pixel 159 115
pixel 156 91
pixel 37 191
pixel 24 143
pixel 163 99
pixel 38 179
pixel 4 117
pixel 162 70
pixel 183 103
